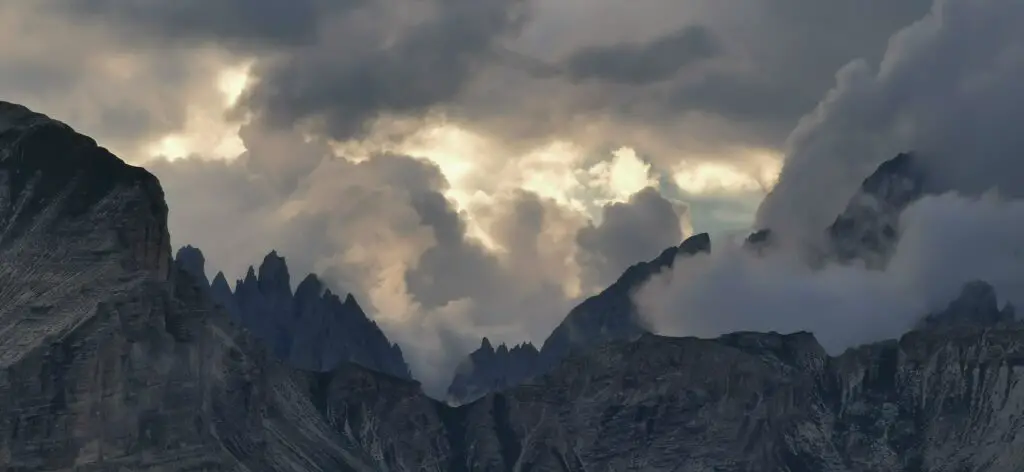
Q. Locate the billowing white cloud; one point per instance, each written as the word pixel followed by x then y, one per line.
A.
pixel 946 241
pixel 948 88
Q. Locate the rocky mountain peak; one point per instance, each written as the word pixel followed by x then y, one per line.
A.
pixel 867 230
pixel 51 177
pixel 607 316
pixel 310 288
pixel 311 329
pixel 352 305
pixel 977 305
pixel 192 261
pixel 273 275
pixel 696 244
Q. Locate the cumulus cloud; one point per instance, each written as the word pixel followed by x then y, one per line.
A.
pixel 83 74
pixel 379 59
pixel 946 242
pixel 611 73
pixel 727 81
pixel 629 232
pixel 948 88
pixel 640 64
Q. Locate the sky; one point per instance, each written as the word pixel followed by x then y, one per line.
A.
pixel 472 168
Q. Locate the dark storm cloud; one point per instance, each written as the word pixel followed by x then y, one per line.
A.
pixel 766 64
pixel 454 268
pixel 340 66
pixel 238 22
pixel 629 232
pixel 640 64
pixel 353 74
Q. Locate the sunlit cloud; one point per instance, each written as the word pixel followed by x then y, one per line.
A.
pixel 207 132
pixel 757 173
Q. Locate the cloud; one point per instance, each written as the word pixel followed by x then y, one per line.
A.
pixel 385 229
pixel 948 88
pixel 379 59
pixel 946 241
pixel 629 232
pixel 252 23
pixel 640 64
pixel 746 91
pixel 635 73
pixel 82 72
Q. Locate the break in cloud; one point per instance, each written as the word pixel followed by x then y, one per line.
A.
pixel 948 87
pixel 466 167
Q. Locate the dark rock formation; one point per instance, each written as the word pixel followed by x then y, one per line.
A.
pixel 312 329
pixel 868 229
pixel 977 305
pixel 488 370
pixel 607 316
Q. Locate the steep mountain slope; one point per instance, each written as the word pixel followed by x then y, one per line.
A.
pixel 111 356
pixel 312 329
pixel 607 316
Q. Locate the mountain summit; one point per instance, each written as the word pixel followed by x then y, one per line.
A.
pixel 608 316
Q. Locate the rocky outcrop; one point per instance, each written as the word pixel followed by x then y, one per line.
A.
pixel 608 316
pixel 311 329
pixel 868 229
pixel 977 305
pixel 488 370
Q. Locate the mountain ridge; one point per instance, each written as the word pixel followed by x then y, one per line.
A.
pixel 116 358
pixel 312 328
pixel 606 316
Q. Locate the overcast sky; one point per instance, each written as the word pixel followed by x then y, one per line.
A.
pixel 474 167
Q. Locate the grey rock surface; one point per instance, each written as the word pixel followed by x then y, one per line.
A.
pixel 114 358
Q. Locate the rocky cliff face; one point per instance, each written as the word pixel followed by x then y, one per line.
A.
pixel 311 329
pixel 608 316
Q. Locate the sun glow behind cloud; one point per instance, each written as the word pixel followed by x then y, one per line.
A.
pixel 207 133
pixel 757 172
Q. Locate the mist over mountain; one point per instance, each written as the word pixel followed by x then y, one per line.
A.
pixel 496 236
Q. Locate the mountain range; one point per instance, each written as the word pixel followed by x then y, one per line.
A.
pixel 116 356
